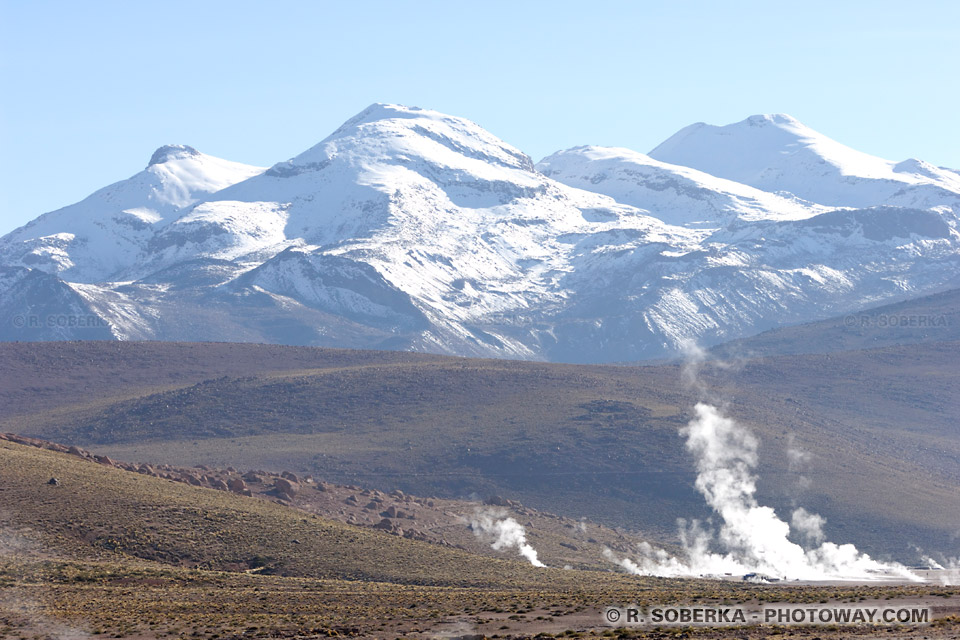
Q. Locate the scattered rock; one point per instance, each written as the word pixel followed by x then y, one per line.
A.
pixel 286 487
pixel 289 475
pixel 252 477
pixel 237 485
pixel 497 501
pixel 389 526
pixel 218 484
pixel 104 460
pixel 389 512
pixel 77 451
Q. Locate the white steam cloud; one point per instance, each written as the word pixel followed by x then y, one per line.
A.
pixel 752 538
pixel 797 460
pixel 503 533
pixel 808 525
pixel 948 571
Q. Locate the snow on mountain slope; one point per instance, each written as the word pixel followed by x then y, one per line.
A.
pixel 412 229
pixel 443 211
pixel 778 153
pixel 337 285
pixel 108 231
pixel 675 194
pixel 646 300
pixel 245 233
pixel 342 187
pixel 39 306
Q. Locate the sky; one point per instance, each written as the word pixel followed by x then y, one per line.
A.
pixel 89 89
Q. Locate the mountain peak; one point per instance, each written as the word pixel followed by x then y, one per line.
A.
pixel 776 152
pixel 399 134
pixel 772 118
pixel 384 111
pixel 172 152
pixel 379 112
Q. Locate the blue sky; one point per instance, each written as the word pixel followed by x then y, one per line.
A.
pixel 90 89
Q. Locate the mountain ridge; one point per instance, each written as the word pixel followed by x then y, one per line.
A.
pixel 578 440
pixel 411 229
pixel 779 153
pixel 636 179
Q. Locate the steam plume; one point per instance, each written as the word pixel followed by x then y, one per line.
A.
pixel 808 525
pixel 948 570
pixel 504 533
pixel 752 537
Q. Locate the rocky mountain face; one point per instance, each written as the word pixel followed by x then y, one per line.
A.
pixel 411 229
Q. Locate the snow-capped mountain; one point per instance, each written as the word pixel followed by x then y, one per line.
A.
pixel 441 212
pixel 778 153
pixel 678 195
pixel 109 231
pixel 408 228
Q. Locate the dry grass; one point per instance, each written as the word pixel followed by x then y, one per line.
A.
pixel 99 512
pixel 117 554
pixel 599 442
pixel 133 599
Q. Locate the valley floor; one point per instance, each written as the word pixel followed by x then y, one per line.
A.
pixel 229 545
pixel 66 574
pixel 59 599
